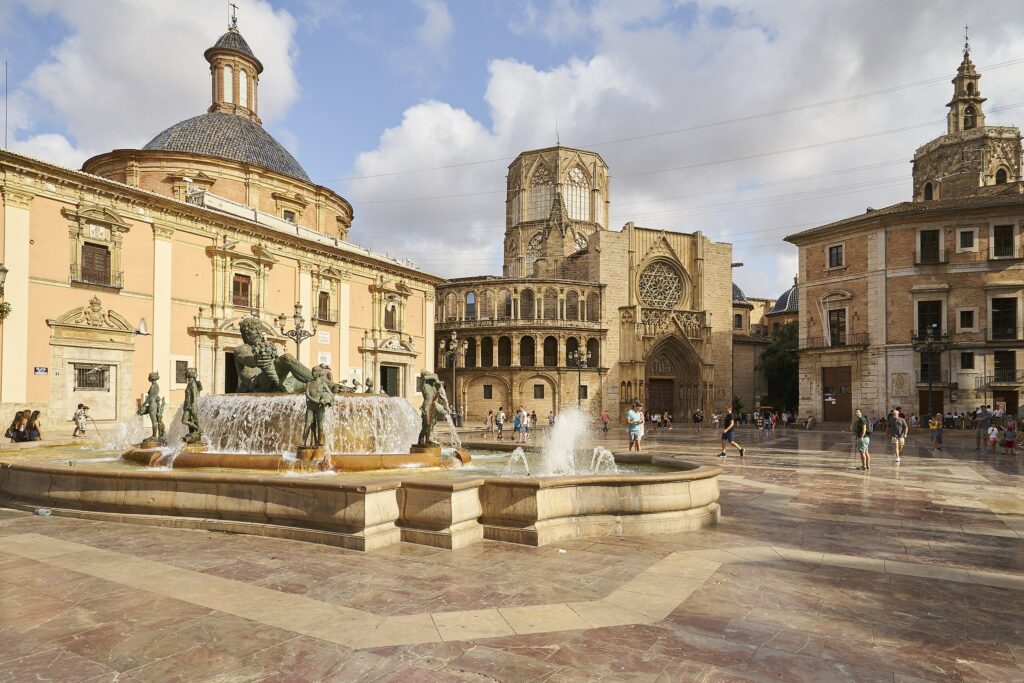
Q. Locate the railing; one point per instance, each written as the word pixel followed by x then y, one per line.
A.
pixel 932 376
pixel 1003 334
pixel 836 341
pixel 924 257
pixel 521 322
pixel 327 316
pixel 112 278
pixel 928 334
pixel 1004 252
pixel 251 302
pixel 1000 376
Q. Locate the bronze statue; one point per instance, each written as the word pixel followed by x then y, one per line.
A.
pixel 369 386
pixel 259 367
pixel 318 397
pixel 190 410
pixel 432 407
pixel 153 406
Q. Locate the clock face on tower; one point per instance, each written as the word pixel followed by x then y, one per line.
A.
pixel 581 241
pixel 534 247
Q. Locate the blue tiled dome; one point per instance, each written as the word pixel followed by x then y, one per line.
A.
pixel 788 302
pixel 233 40
pixel 738 297
pixel 227 136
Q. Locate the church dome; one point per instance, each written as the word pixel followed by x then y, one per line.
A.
pixel 788 302
pixel 233 40
pixel 738 297
pixel 231 137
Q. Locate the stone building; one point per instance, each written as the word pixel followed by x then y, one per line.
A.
pixel 651 307
pixel 749 338
pixel 147 259
pixel 919 304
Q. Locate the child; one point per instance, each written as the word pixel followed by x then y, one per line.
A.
pixel 79 418
pixel 1009 439
pixel 993 437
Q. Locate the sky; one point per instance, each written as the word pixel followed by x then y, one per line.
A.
pixel 747 120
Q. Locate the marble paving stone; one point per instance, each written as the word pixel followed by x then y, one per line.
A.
pixel 543 618
pixel 470 625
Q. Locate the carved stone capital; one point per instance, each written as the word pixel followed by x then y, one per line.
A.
pixel 162 232
pixel 18 197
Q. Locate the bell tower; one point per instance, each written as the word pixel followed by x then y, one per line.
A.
pixel 965 112
pixel 234 74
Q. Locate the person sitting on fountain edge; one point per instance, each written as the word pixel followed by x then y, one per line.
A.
pixel 260 369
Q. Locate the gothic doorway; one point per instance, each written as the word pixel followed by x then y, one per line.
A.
pixel 672 378
pixel 661 395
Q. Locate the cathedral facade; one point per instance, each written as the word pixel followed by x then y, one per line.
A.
pixel 583 315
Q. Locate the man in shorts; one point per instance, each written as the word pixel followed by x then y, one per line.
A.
pixel 635 420
pixel 861 440
pixel 728 432
pixel 897 428
pixel 499 422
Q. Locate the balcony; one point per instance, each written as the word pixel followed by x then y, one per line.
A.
pixel 1001 334
pixel 1005 252
pixel 502 323
pixel 861 339
pixel 928 334
pixel 327 315
pixel 96 277
pixel 1003 376
pixel 933 376
pixel 926 257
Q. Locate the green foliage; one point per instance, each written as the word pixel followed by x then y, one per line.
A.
pixel 780 367
pixel 737 405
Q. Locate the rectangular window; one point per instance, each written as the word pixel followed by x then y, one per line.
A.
pixel 929 246
pixel 391 317
pixel 837 326
pixel 1004 318
pixel 967 360
pixel 92 377
pixel 241 291
pixel 181 372
pixel 1005 366
pixel 95 264
pixel 835 256
pixel 488 391
pixel 538 391
pixel 583 391
pixel 967 320
pixel 966 240
pixel 323 306
pixel 929 318
pixel 1002 241
pixel 931 367
pixel 288 215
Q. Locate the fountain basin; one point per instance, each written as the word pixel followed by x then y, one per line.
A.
pixel 351 462
pixel 359 512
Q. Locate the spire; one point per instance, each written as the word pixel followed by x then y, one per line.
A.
pixel 559 217
pixel 965 112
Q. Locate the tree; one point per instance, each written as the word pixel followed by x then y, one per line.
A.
pixel 781 368
pixel 737 404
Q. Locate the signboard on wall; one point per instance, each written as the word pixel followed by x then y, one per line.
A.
pixel 324 337
pixel 40 371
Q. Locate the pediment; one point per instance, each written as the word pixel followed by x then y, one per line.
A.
pixel 96 214
pixel 661 248
pixel 93 317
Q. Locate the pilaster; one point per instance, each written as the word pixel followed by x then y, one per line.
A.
pixel 162 277
pixel 17 212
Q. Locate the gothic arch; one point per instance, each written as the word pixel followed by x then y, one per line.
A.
pixel 674 377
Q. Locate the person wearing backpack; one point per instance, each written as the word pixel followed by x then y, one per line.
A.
pixel 861 440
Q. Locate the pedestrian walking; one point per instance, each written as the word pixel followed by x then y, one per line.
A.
pixel 524 424
pixel 605 419
pixel 897 428
pixel 982 421
pixel 935 425
pixel 635 420
pixel 728 432
pixel 79 418
pixel 861 440
pixel 1009 437
pixel 488 425
pixel 499 422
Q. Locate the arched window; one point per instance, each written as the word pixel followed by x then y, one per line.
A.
pixel 737 321
pixel 451 308
pixel 504 352
pixel 486 352
pixel 228 84
pixel 970 118
pixel 542 191
pixel 471 306
pixel 622 391
pixel 970 88
pixel 577 195
pixel 1001 176
pixel 928 192
pixel 550 304
pixel 550 352
pixel 471 352
pixel 527 305
pixel 527 352
pixel 594 349
pixel 572 345
pixel 572 306
pixel 243 88
pixel 593 307
pixel 504 304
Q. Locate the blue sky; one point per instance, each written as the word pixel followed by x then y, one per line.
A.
pixel 392 103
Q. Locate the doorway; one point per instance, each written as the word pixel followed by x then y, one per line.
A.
pixel 389 379
pixel 230 373
pixel 660 394
pixel 1007 396
pixel 936 404
pixel 837 394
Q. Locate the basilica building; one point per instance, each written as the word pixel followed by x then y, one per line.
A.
pixel 584 315
pixel 147 259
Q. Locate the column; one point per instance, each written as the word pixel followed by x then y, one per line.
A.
pixel 561 350
pixel 17 209
pixel 515 351
pixel 494 352
pixel 162 275
pixel 342 369
pixel 305 298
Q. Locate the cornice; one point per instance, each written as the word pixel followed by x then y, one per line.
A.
pixel 17 196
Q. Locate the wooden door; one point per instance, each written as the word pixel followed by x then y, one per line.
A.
pixel 837 394
pixel 936 404
pixel 659 395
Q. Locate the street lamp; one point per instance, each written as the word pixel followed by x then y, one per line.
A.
pixel 5 308
pixel 578 359
pixel 299 333
pixel 451 348
pixel 931 342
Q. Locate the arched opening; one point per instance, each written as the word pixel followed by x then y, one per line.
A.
pixel 229 84
pixel 527 305
pixel 970 88
pixel 550 304
pixel 243 88
pixel 471 306
pixel 487 352
pixel 504 352
pixel 1001 176
pixel 471 352
pixel 577 195
pixel 673 379
pixel 929 193
pixel 572 306
pixel 505 304
pixel 438 354
pixel 594 350
pixel 527 352
pixel 622 392
pixel 970 118
pixel 629 391
pixel 572 346
pixel 593 307
pixel 486 305
pixel 451 309
pixel 550 352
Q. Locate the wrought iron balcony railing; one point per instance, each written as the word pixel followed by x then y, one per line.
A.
pixel 101 278
pixel 923 257
pixel 836 341
pixel 932 376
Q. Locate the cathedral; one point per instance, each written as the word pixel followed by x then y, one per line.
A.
pixel 584 315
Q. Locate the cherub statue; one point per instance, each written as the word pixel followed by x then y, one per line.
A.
pixel 153 406
pixel 190 410
pixel 318 397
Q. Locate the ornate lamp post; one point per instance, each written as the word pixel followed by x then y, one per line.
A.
pixel 930 342
pixel 451 348
pixel 299 333
pixel 579 360
pixel 5 308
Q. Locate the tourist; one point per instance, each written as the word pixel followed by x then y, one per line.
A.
pixel 488 424
pixel 33 427
pixel 982 421
pixel 728 432
pixel 698 420
pixel 914 421
pixel 524 424
pixel 605 419
pixel 533 420
pixel 635 420
pixel 993 437
pixel 12 432
pixel 861 440
pixel 1009 437
pixel 716 419
pixel 79 419
pixel 499 422
pixel 935 425
pixel 551 419
pixel 766 425
pixel 896 427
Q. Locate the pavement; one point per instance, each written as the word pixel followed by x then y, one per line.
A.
pixel 817 572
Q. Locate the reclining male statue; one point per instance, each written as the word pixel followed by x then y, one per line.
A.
pixel 260 369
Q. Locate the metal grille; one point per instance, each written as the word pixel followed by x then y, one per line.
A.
pixel 92 377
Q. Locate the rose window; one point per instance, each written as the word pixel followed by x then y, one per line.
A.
pixel 660 286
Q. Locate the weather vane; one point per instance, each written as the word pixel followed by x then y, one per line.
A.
pixel 234 15
pixel 967 43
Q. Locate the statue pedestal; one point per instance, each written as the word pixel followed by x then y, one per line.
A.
pixel 307 453
pixel 313 459
pixel 195 448
pixel 152 443
pixel 432 449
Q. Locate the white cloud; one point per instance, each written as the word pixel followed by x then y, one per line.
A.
pixel 653 70
pixel 429 52
pixel 129 68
